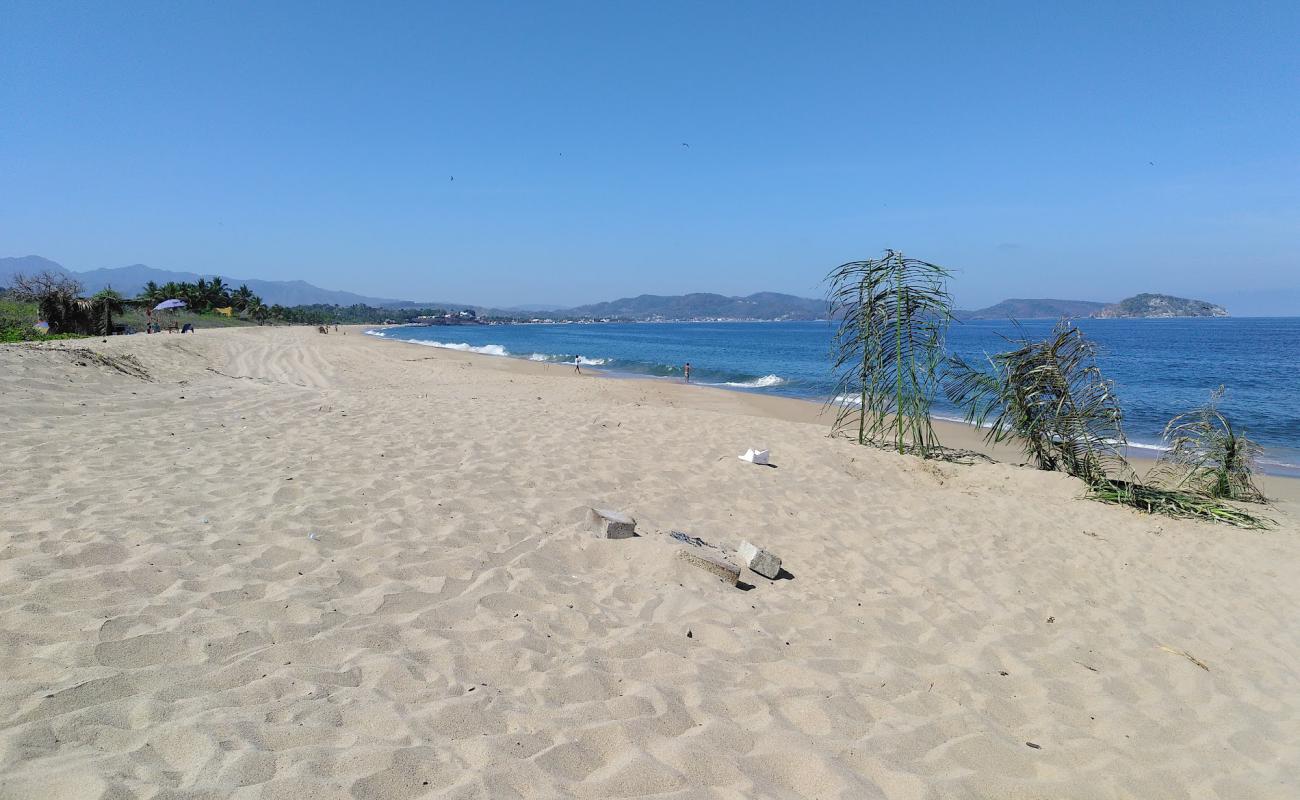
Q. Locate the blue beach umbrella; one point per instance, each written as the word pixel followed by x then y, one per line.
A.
pixel 166 304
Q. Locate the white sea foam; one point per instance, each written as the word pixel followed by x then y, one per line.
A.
pixel 1160 448
pixel 554 359
pixel 464 347
pixel 757 383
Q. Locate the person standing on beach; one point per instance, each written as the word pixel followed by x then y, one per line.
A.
pixel 686 371
pixel 577 364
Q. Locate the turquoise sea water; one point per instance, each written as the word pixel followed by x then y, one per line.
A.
pixel 1161 367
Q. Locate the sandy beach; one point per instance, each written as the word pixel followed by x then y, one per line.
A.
pixel 267 563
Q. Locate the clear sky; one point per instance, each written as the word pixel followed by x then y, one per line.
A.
pixel 604 149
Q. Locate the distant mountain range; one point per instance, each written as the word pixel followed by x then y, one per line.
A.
pixel 763 305
pixel 1034 309
pixel 130 280
pixel 760 306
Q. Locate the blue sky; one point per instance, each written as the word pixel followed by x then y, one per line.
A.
pixel 1041 151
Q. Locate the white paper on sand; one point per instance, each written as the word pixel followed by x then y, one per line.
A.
pixel 755 456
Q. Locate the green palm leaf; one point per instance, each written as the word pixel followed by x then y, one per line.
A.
pixel 1049 396
pixel 1208 456
pixel 891 314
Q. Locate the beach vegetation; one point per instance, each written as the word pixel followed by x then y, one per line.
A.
pixel 201 295
pixel 58 301
pixel 1177 503
pixel 1208 456
pixel 15 313
pixel 890 314
pixel 1051 398
pixel 18 320
pixel 104 304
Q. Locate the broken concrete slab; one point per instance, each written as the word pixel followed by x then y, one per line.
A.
pixel 608 524
pixel 762 561
pixel 720 568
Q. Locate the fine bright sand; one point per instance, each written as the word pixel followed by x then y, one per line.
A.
pixel 171 628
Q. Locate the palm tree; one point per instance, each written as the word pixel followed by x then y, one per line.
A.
pixel 152 293
pixel 105 303
pixel 241 297
pixel 218 294
pixel 198 294
pixel 1051 397
pixel 176 291
pixel 887 349
pixel 1208 456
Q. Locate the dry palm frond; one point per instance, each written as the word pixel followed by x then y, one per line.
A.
pixel 888 348
pixel 1186 655
pixel 1051 397
pixel 1208 456
pixel 1174 503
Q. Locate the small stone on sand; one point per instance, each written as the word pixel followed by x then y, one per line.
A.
pixel 759 560
pixel 608 524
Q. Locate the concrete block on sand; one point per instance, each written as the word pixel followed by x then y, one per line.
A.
pixel 721 568
pixel 759 560
pixel 608 524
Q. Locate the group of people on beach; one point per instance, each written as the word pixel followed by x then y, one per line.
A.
pixel 686 369
pixel 154 324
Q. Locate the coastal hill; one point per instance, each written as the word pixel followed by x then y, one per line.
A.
pixel 1034 309
pixel 760 306
pixel 1137 307
pixel 131 279
pixel 1160 305
pixel 697 306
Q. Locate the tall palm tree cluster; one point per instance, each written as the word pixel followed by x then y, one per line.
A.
pixel 205 295
pixel 1047 396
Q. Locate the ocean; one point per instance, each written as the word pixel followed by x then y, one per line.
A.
pixel 1161 367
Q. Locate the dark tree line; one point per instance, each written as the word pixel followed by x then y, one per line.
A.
pixel 60 302
pixel 204 295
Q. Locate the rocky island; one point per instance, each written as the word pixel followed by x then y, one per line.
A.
pixel 1149 306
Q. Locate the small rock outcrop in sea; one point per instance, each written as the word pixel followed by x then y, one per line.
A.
pixel 1160 305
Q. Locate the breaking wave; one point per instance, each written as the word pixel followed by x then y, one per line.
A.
pixel 551 358
pixel 463 347
pixel 757 383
